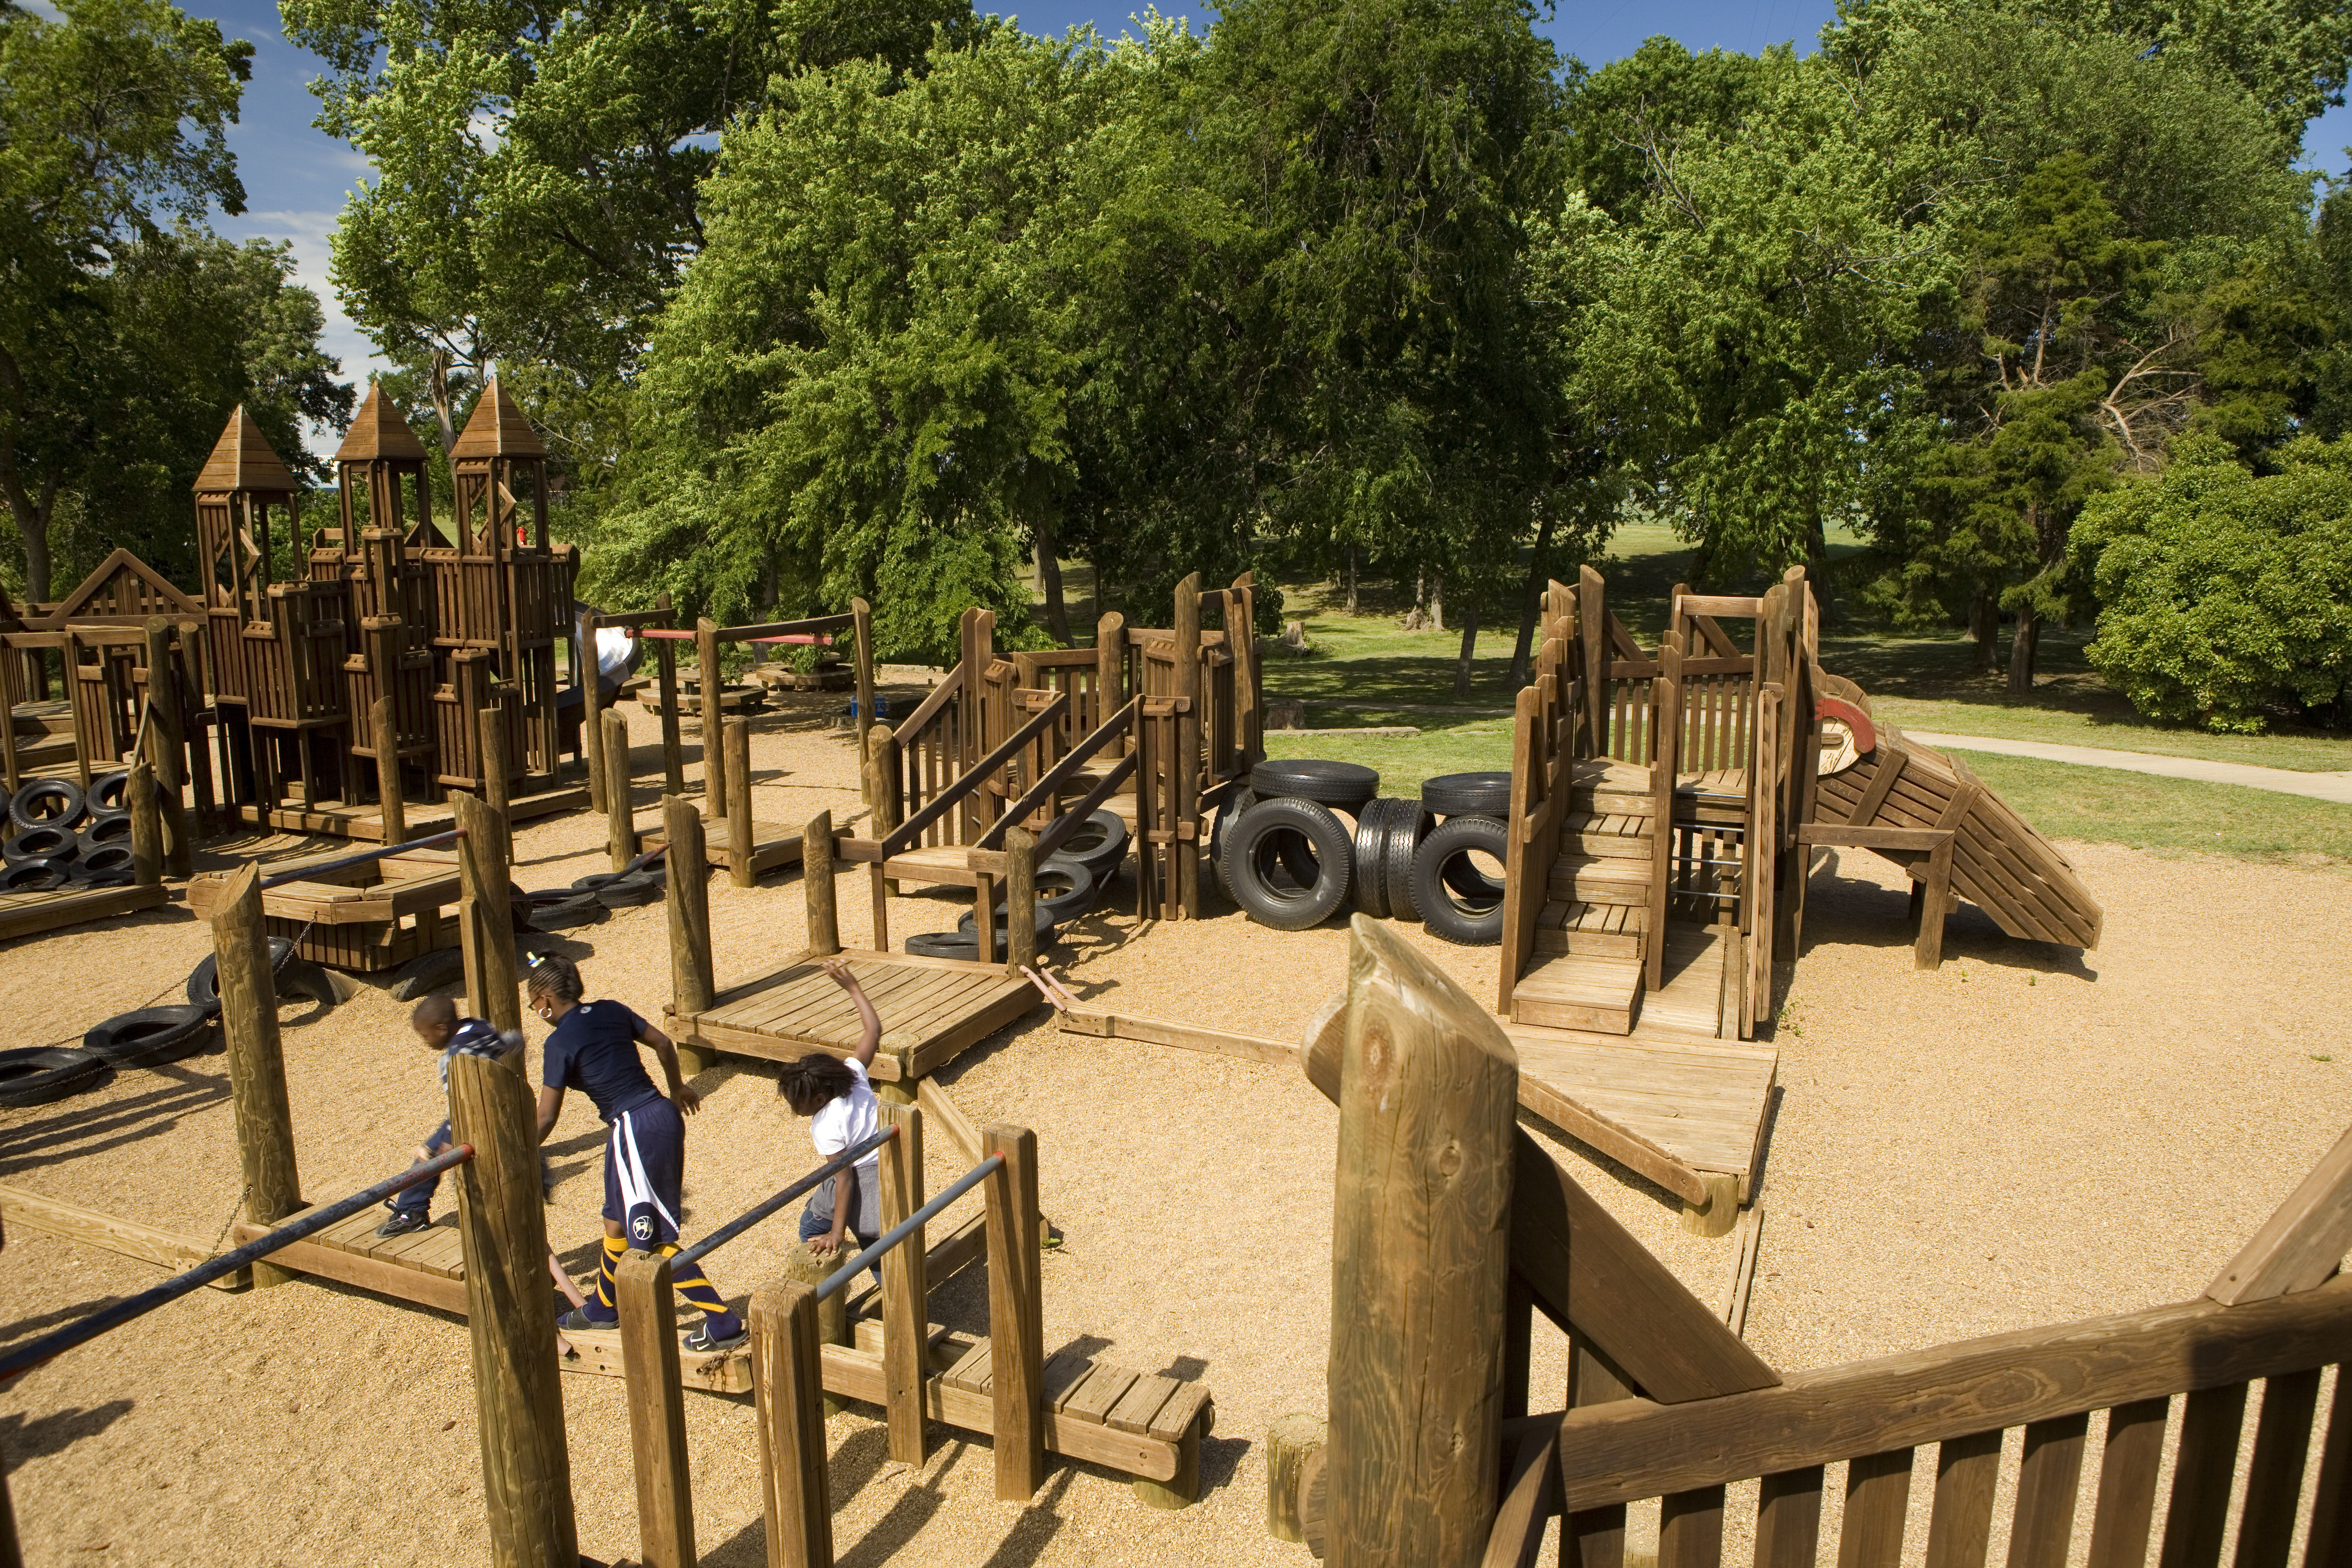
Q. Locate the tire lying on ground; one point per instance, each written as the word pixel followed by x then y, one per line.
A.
pixel 1099 844
pixel 1346 785
pixel 562 908
pixel 963 944
pixel 107 860
pixel 150 1035
pixel 626 890
pixel 1236 804
pixel 42 876
pixel 47 802
pixel 104 828
pixel 290 976
pixel 1473 918
pixel 1468 795
pixel 57 844
pixel 1257 863
pixel 39 1074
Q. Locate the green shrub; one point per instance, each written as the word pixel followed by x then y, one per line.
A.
pixel 2224 596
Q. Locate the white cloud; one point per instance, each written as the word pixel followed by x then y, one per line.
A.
pixel 309 233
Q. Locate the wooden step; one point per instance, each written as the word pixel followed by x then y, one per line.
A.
pixel 1600 930
pixel 1574 991
pixel 1620 835
pixel 1586 878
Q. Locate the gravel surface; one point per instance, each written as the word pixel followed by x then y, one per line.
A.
pixel 2026 1135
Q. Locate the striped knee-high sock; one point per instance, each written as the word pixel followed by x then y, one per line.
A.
pixel 690 1281
pixel 607 1300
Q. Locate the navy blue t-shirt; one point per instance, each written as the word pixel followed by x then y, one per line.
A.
pixel 593 1049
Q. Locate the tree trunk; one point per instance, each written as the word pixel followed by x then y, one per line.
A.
pixel 1469 645
pixel 1531 608
pixel 1049 578
pixel 1351 579
pixel 1437 603
pixel 1984 626
pixel 2022 648
pixel 35 534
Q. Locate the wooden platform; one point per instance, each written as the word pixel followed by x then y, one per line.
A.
pixel 366 918
pixel 932 1009
pixel 23 914
pixel 1666 1108
pixel 365 822
pixel 772 844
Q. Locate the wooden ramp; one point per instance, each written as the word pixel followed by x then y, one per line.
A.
pixel 932 1009
pixel 1997 861
pixel 1671 1109
pixel 23 914
pixel 772 844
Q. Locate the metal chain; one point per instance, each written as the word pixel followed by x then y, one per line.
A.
pixel 233 1209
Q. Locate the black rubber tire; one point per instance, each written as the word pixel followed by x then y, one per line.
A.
pixel 57 844
pixel 42 876
pixel 122 879
pixel 1406 830
pixel 150 1035
pixel 629 890
pixel 68 807
pixel 290 975
pixel 1099 844
pixel 1235 805
pixel 1254 850
pixel 1371 888
pixel 1073 885
pixel 1468 795
pixel 102 830
pixel 965 927
pixel 962 944
pixel 109 793
pixel 106 860
pixel 1344 784
pixel 36 1075
pixel 597 881
pixel 563 912
pixel 1471 920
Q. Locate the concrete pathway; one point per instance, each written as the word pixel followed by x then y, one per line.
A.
pixel 2337 788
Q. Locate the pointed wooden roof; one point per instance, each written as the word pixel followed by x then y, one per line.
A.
pixel 124 587
pixel 498 429
pixel 379 431
pixel 243 459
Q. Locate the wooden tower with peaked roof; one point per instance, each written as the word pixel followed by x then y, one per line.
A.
pixel 384 519
pixel 246 498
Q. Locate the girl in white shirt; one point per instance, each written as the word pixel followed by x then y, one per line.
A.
pixel 833 1093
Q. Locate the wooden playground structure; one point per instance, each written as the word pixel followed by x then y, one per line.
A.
pixel 1429 1328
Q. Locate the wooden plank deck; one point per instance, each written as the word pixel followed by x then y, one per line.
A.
pixel 772 844
pixel 365 822
pixel 1696 1105
pixel 932 1009
pixel 25 914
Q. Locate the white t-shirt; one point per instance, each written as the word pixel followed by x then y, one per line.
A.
pixel 851 1119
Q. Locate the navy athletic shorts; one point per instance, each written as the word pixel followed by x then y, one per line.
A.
pixel 645 1166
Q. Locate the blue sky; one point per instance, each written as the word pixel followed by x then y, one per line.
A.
pixel 296 178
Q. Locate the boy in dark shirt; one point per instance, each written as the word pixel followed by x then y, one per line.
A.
pixel 593 1049
pixel 437 1023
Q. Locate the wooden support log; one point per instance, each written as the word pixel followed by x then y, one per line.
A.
pixel 906 1347
pixel 1720 1212
pixel 818 887
pixel 510 1318
pixel 736 766
pixel 1016 1323
pixel 862 650
pixel 393 810
pixel 167 745
pixel 656 1395
pixel 1020 903
pixel 484 915
pixel 711 684
pixel 591 727
pixel 1422 1218
pixel 257 1062
pixel 692 985
pixel 1290 1442
pixel 673 746
pixel 620 826
pixel 491 736
pixel 832 1312
pixel 146 826
pixel 787 1386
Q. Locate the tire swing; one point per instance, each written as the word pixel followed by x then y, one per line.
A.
pixel 1258 863
pixel 1452 894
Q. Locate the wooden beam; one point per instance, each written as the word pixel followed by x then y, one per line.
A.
pixel 787 1383
pixel 656 1400
pixel 1015 1313
pixel 257 1060
pixel 1623 1452
pixel 21 1210
pixel 1185 1036
pixel 1837 834
pixel 905 1344
pixel 2302 1242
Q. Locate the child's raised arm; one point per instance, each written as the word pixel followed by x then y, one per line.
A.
pixel 868 1020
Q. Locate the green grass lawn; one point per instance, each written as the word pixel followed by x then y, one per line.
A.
pixel 2144 812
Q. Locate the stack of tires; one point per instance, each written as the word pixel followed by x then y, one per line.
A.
pixel 1283 854
pixel 1070 882
pixel 62 835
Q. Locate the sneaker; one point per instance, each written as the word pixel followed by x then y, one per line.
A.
pixel 402 1223
pixel 581 1318
pixel 701 1343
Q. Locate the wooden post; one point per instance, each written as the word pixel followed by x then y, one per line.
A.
pixel 787 1388
pixel 1110 670
pixel 691 987
pixel 882 771
pixel 11 663
pixel 736 766
pixel 491 736
pixel 257 1062
pixel 714 771
pixel 1665 739
pixel 485 913
pixel 861 632
pixel 620 825
pixel 394 810
pixel 1016 1322
pixel 1184 810
pixel 906 1349
pixel 200 752
pixel 12 1551
pixel 1020 903
pixel 146 827
pixel 816 886
pixel 656 1395
pixel 510 1318
pixel 166 744
pixel 1932 896
pixel 1420 1258
pixel 673 746
pixel 1290 1442
pixel 592 724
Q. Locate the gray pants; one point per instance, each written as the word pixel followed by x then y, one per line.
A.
pixel 865 1207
